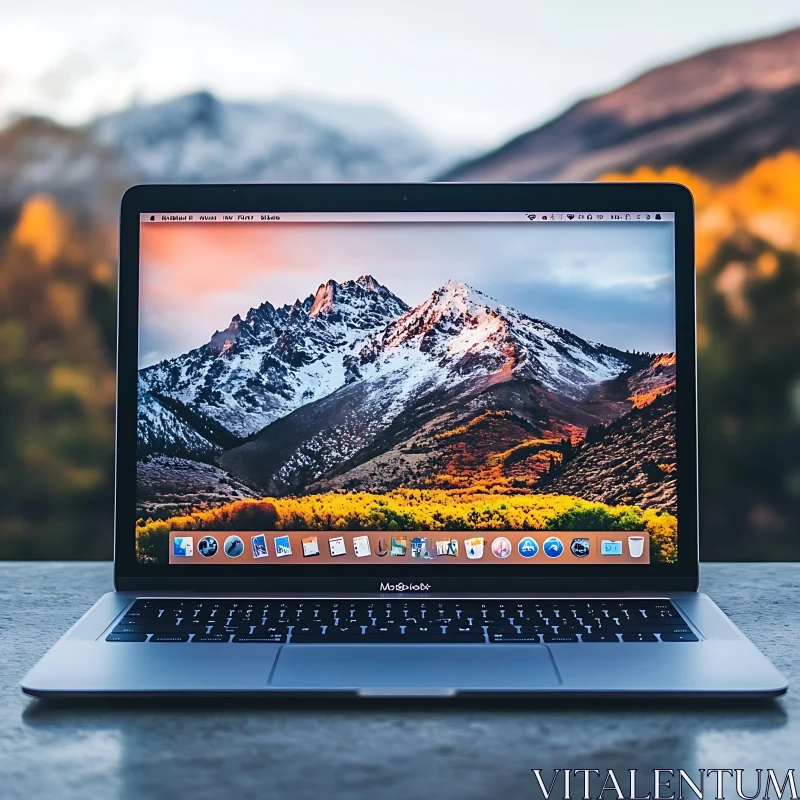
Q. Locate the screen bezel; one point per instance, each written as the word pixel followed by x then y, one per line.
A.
pixel 452 197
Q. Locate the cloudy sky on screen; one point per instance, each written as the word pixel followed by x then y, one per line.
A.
pixel 611 283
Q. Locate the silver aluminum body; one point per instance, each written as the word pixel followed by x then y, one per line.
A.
pixel 724 662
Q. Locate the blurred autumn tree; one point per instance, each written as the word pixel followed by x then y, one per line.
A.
pixel 57 334
pixel 748 303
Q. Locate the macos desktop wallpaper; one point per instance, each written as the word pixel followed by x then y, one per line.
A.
pixel 406 377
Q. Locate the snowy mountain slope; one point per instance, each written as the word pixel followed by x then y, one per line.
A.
pixel 468 431
pixel 159 430
pixel 452 351
pixel 262 367
pixel 357 121
pixel 485 431
pixel 198 137
pixel 459 332
pixel 297 449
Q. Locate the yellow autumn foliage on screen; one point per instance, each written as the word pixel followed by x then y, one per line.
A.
pixel 419 509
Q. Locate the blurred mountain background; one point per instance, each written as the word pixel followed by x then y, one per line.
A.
pixel 726 122
pixel 199 138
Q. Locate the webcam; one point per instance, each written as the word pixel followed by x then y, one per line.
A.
pixel 404 197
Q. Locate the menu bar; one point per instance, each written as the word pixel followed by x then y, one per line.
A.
pixel 527 217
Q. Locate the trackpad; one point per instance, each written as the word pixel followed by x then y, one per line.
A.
pixel 379 667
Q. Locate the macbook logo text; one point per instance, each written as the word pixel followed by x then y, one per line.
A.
pixel 405 587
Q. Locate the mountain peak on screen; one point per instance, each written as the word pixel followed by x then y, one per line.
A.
pixel 275 360
pixel 364 300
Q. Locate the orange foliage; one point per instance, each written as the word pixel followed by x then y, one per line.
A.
pixel 642 399
pixel 42 227
pixel 765 202
pixel 497 451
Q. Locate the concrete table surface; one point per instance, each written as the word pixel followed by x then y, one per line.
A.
pixel 297 749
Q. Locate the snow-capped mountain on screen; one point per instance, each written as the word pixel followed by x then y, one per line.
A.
pixel 159 430
pixel 464 333
pixel 450 357
pixel 263 366
pixel 317 381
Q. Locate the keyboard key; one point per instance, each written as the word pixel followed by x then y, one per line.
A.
pixel 191 627
pixel 599 637
pixel 515 637
pixel 501 630
pixel 345 634
pixel 159 627
pixel 639 637
pixel 558 638
pixel 142 609
pixel 260 639
pixel 638 628
pixel 202 637
pixel 381 622
pixel 273 630
pixel 425 630
pixel 538 630
pixel 679 637
pixel 126 637
pixel 344 630
pixel 169 637
pixel 122 629
pixel 383 633
pixel 573 628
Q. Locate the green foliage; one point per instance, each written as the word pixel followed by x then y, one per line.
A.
pixel 152 544
pixel 749 389
pixel 597 517
pixel 56 389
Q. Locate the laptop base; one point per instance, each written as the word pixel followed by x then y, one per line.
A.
pixel 722 663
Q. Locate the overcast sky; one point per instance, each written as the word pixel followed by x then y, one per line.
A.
pixel 610 283
pixel 463 71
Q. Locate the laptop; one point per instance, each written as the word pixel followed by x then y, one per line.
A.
pixel 406 440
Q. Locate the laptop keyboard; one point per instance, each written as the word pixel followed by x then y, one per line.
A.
pixel 413 621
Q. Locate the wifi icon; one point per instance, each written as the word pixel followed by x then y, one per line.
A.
pixel 570 216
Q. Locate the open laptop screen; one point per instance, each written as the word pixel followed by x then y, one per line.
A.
pixel 360 388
